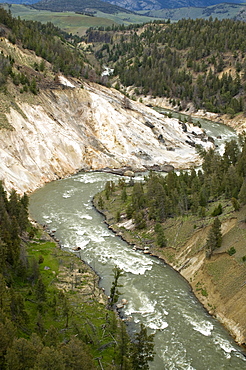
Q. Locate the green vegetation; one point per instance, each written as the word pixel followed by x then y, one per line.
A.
pixel 231 251
pixel 204 198
pixel 52 313
pixel 214 237
pixel 74 22
pixel 79 6
pixel 114 292
pixel 178 225
pixel 47 41
pixel 202 61
pixel 142 349
pixel 70 22
pixel 198 61
pixel 219 11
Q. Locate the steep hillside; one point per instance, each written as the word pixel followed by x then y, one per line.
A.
pixel 52 126
pixel 165 4
pixel 220 11
pixel 192 61
pixel 69 128
pixel 164 221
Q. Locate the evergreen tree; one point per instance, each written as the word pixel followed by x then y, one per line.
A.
pixel 142 349
pixel 114 292
pixel 242 193
pixel 76 355
pixel 123 348
pixel 214 237
pixel 160 236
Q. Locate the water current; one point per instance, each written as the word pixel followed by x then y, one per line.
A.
pixel 186 337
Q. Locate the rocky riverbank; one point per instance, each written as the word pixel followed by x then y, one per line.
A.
pixel 219 283
pixel 237 122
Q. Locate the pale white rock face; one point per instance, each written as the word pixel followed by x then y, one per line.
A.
pixel 88 128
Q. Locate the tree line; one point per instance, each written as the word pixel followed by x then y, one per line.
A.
pixel 202 61
pixel 191 191
pixel 39 328
pixel 199 193
pixel 48 42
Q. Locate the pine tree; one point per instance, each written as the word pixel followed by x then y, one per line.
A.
pixel 160 236
pixel 242 193
pixel 142 349
pixel 214 240
pixel 122 350
pixel 114 292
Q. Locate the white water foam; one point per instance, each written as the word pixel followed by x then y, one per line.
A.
pixel 96 241
pixel 142 306
pixel 224 344
pixel 91 178
pixel 82 244
pixel 174 357
pixel 47 219
pixel 85 216
pixel 87 205
pixel 204 327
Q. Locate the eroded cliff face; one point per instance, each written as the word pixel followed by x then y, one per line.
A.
pixel 88 127
pixel 219 282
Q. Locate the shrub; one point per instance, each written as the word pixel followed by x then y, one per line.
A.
pixel 231 251
pixel 217 211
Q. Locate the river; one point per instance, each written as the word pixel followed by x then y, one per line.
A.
pixel 186 337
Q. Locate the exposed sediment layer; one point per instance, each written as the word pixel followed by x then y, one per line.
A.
pixel 90 128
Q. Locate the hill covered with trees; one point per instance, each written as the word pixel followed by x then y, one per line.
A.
pixel 46 40
pixel 79 6
pixel 195 221
pixel 199 61
pixel 52 314
pixel 160 198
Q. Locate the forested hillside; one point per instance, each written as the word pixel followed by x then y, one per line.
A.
pixel 78 6
pixel 195 61
pixel 158 198
pixel 48 42
pixel 52 314
pixel 195 221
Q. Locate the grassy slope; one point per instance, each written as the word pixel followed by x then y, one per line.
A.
pixel 219 11
pixel 219 282
pixel 75 23
pixel 67 21
pixel 11 95
pixel 87 313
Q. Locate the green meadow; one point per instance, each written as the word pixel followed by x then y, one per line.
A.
pixel 72 22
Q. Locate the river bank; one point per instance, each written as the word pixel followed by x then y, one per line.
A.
pixel 218 282
pixel 157 296
pixel 237 122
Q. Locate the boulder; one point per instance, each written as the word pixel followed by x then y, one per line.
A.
pixel 129 173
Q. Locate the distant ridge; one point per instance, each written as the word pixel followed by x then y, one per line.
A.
pixel 137 5
pixel 22 2
pixel 79 6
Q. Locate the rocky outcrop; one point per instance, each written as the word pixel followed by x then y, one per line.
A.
pixel 73 128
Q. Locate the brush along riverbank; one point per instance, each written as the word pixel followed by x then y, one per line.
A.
pixel 219 282
pixel 59 316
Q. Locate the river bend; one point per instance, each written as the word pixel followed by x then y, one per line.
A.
pixel 186 337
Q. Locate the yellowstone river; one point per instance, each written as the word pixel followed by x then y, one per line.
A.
pixel 186 337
